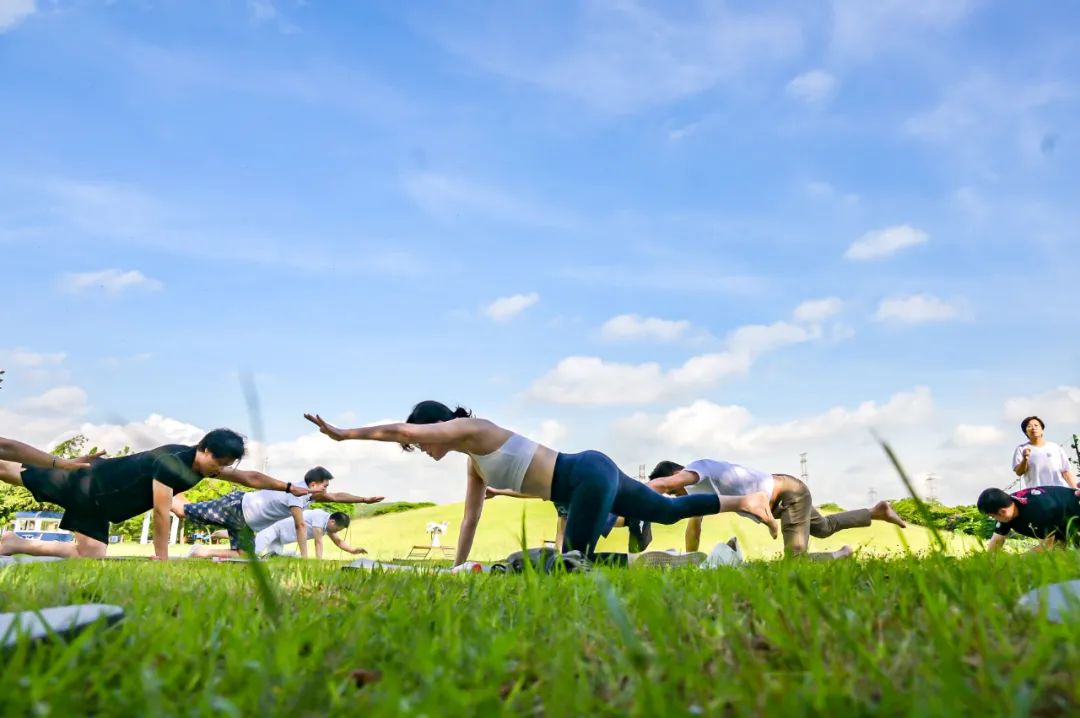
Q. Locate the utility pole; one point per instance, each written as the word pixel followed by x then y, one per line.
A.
pixel 641 475
pixel 873 496
pixel 931 482
pixel 802 465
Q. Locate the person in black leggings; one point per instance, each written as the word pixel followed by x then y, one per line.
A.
pixel 589 483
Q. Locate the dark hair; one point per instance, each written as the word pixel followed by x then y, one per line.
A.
pixel 994 500
pixel 665 469
pixel 223 444
pixel 341 519
pixel 1028 420
pixel 317 474
pixel 433 412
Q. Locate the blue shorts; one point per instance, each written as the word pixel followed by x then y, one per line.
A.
pixel 226 511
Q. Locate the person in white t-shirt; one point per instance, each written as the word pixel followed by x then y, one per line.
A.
pixel 789 499
pixel 243 513
pixel 272 540
pixel 1039 462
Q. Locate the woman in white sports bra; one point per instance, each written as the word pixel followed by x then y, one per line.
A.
pixel 589 482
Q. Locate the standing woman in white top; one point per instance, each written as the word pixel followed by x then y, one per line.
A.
pixel 1040 462
pixel 589 482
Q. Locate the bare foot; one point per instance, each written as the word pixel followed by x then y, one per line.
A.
pixel 7 543
pixel 758 505
pixel 843 552
pixel 882 511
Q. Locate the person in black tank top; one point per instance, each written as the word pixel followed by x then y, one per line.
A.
pixel 1048 513
pixel 105 491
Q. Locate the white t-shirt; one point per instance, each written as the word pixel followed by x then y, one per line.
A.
pixel 313 519
pixel 727 479
pixel 273 539
pixel 1044 465
pixel 266 507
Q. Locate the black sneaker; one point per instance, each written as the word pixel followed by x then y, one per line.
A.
pixel 640 536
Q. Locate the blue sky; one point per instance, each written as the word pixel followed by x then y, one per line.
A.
pixel 736 230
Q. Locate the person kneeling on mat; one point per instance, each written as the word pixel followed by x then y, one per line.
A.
pixel 246 513
pixel 272 541
pixel 788 497
pixel 115 490
pixel 589 483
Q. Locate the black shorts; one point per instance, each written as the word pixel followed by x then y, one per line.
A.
pixel 71 491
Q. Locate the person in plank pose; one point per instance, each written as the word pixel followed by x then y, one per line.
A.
pixel 1048 513
pixel 245 513
pixel 788 497
pixel 588 482
pixel 640 531
pixel 97 491
pixel 272 540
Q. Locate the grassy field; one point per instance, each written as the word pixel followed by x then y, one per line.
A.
pixel 937 636
pixel 390 536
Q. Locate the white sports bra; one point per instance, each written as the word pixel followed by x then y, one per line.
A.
pixel 505 467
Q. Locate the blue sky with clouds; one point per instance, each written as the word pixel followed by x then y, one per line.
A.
pixel 737 230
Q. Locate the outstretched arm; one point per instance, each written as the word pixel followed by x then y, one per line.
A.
pixel 674 484
pixel 317 534
pixel 474 505
pixel 259 480
pixel 996 542
pixel 342 497
pixel 340 543
pixel 447 432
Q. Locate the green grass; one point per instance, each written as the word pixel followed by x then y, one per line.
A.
pixel 937 636
pixel 392 535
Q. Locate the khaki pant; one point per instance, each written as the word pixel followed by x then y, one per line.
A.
pixel 799 520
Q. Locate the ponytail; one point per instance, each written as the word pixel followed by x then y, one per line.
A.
pixel 434 412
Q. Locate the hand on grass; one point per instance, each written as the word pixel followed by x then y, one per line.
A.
pixel 329 429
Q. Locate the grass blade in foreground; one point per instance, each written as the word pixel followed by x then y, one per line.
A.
pixel 924 513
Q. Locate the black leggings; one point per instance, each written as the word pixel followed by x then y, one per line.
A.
pixel 592 486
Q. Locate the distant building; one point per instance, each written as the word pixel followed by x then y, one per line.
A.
pixel 44 525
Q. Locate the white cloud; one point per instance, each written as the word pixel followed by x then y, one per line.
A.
pixel 583 380
pixel 712 430
pixel 621 56
pixel 450 198
pixel 60 400
pixel 812 87
pixel 917 309
pixel 885 242
pixel 506 308
pixel 1058 405
pixel 12 12
pixel 262 10
pixel 117 362
pixel 817 310
pixel 968 435
pixel 111 281
pixel 631 327
pixel 39 420
pixel 25 358
pixel 550 433
pixel 862 29
pixel 823 190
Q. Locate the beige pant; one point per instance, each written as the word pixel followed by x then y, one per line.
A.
pixel 799 520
